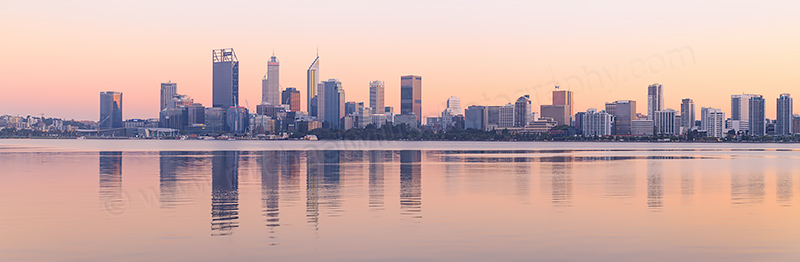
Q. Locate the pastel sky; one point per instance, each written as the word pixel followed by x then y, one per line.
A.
pixel 58 55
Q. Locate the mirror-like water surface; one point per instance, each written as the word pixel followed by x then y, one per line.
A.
pixel 400 201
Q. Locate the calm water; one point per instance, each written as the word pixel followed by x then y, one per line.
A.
pixel 100 200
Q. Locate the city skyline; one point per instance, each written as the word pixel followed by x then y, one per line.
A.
pixel 694 52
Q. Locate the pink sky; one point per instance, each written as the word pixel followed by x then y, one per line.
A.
pixel 58 56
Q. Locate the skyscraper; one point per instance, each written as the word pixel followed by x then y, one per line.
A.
pixel 476 117
pixel 376 95
pixel 564 97
pixel 168 90
pixel 664 120
pixel 225 78
pixel 291 97
pixel 333 103
pixel 110 110
pixel 522 111
pixel 756 116
pixel 624 111
pixel 596 123
pixel 655 100
pixel 559 113
pixel 454 104
pixel 312 79
pixel 411 95
pixel 270 85
pixel 687 115
pixel 740 110
pixel 783 121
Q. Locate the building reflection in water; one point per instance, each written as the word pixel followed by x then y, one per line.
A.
pixel 522 179
pixel 111 199
pixel 687 180
pixel 377 159
pixel 331 177
pixel 314 162
pixel 270 186
pixel 224 192
pixel 290 175
pixel 784 187
pixel 411 183
pixel 561 179
pixel 747 187
pixel 655 184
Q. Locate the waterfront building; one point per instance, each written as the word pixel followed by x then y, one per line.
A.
pixel 225 78
pixel 783 121
pixel 376 96
pixel 110 110
pixel 411 95
pixel 655 100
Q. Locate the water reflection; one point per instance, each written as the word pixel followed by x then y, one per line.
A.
pixel 224 192
pixel 411 183
pixel 111 199
pixel 561 179
pixel 784 187
pixel 376 179
pixel 655 184
pixel 270 186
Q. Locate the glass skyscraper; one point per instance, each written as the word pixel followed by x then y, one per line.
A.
pixel 333 103
pixel 756 115
pixel 270 85
pixel 225 78
pixel 411 95
pixel 110 110
pixel 168 90
pixel 655 100
pixel 312 79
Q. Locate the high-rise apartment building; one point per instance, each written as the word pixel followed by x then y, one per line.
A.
pixel 312 80
pixel 740 110
pixel 270 85
pixel 411 95
pixel 110 110
pixel 376 95
pixel 655 100
pixel 783 120
pixel 522 111
pixel 596 123
pixel 454 104
pixel 756 116
pixel 564 97
pixel 225 78
pixel 168 90
pixel 333 103
pixel 712 120
pixel 687 115
pixel 291 97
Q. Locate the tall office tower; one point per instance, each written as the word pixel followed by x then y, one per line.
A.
pixel 411 95
pixel 712 120
pixel 376 95
pixel 110 110
pixel 624 111
pixel 312 79
pixel 226 78
pixel 655 100
pixel 756 116
pixel 454 104
pixel 333 103
pixel 270 85
pixel 596 123
pixel 783 122
pixel 506 116
pixel 168 90
pixel 291 97
pixel 564 98
pixel 687 115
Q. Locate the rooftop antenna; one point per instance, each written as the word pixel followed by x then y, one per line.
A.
pixel 553 75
